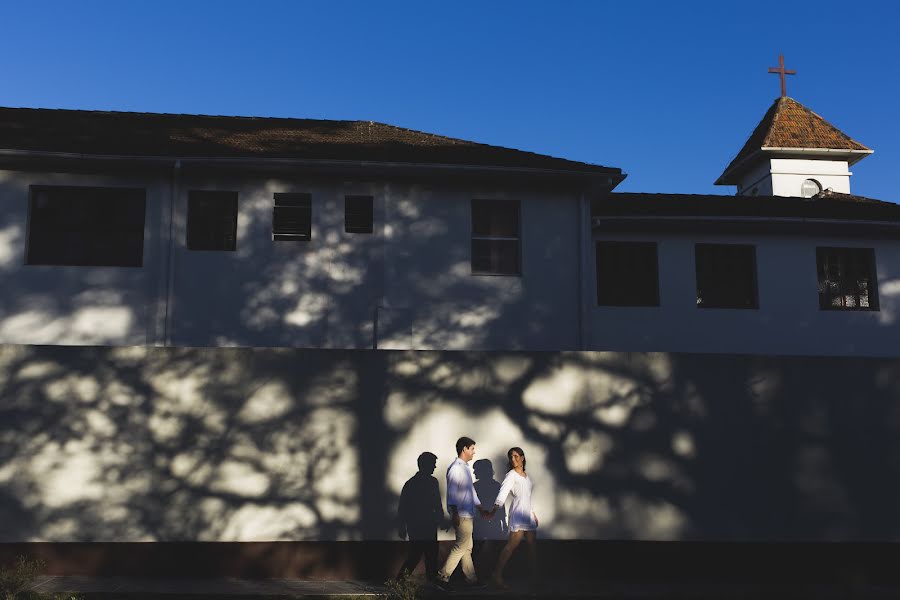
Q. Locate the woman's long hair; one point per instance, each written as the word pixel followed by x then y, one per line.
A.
pixel 520 452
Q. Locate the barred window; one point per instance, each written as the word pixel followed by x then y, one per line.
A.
pixel 847 278
pixel 726 276
pixel 292 217
pixel 627 274
pixel 212 220
pixel 358 214
pixel 86 226
pixel 495 237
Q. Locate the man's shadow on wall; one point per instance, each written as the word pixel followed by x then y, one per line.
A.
pixel 420 515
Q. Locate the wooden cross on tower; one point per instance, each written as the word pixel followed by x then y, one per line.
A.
pixel 782 72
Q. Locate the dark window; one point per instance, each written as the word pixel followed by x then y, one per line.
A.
pixel 212 220
pixel 358 215
pixel 627 274
pixel 726 276
pixel 847 279
pixel 292 218
pixel 495 237
pixel 85 226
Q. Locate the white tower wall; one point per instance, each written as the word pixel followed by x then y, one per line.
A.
pixel 785 177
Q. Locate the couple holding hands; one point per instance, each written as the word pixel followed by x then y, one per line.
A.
pixel 463 503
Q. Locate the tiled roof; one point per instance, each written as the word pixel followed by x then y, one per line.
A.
pixel 832 195
pixel 184 136
pixel 828 205
pixel 789 124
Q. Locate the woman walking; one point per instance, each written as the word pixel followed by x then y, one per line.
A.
pixel 523 523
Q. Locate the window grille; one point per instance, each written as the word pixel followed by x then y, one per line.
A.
pixel 495 237
pixel 212 220
pixel 847 278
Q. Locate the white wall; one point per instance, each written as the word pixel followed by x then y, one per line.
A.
pixel 785 176
pixel 759 177
pixel 412 275
pixel 788 320
pixel 414 272
pixel 249 444
pixel 77 305
pixel 788 175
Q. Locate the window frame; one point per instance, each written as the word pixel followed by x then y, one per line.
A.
pixel 287 208
pixel 754 276
pixel 368 211
pixel 477 237
pixel 872 285
pixel 194 243
pixel 139 196
pixel 620 244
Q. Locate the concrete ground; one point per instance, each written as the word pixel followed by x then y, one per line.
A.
pixel 141 588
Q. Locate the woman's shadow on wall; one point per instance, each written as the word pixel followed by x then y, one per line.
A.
pixel 487 534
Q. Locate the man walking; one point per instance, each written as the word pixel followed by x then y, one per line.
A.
pixel 462 502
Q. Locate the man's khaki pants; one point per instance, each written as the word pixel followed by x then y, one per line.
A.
pixel 461 552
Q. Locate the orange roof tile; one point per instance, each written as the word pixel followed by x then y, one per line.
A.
pixel 788 124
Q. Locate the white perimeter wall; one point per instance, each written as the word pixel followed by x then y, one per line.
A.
pixel 788 320
pixel 239 444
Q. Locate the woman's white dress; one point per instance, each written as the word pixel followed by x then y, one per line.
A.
pixel 520 514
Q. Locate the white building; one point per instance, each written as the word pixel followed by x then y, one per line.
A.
pixel 133 229
pixel 794 264
pixel 635 345
pixel 177 230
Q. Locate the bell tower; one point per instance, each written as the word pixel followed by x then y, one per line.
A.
pixel 793 152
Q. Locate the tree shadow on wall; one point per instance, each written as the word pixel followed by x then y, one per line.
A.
pixel 654 446
pixel 237 444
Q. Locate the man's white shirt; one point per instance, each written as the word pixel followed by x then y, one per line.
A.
pixel 461 489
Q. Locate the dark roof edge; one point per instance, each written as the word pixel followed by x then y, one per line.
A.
pixel 740 218
pixel 743 225
pixel 731 171
pixel 613 175
pixel 822 199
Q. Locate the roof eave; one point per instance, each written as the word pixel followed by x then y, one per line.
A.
pixel 601 178
pixel 719 224
pixel 733 172
pixel 852 155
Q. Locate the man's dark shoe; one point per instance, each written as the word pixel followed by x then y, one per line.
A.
pixel 443 585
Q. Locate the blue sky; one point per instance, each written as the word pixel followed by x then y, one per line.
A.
pixel 668 91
